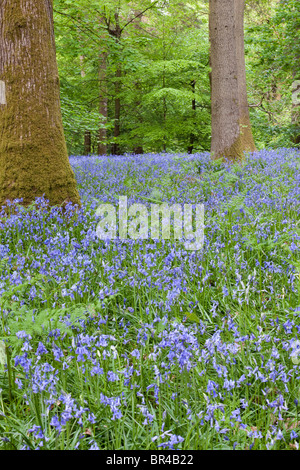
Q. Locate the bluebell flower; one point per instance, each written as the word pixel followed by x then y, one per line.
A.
pixel 56 423
pixel 41 349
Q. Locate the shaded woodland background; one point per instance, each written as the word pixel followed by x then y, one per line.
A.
pixel 134 75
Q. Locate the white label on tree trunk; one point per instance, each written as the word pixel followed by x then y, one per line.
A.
pixel 2 93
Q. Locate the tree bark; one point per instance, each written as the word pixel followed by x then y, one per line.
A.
pixel 296 103
pixel 139 150
pixel 103 94
pixel 87 143
pixel 87 133
pixel 296 112
pixel 192 135
pixel 231 128
pixel 33 153
pixel 102 134
pixel 115 146
pixel 117 33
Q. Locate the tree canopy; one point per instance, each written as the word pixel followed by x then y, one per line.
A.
pixel 162 55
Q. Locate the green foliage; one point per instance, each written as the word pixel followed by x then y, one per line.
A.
pixel 159 55
pixel 37 322
pixel 273 64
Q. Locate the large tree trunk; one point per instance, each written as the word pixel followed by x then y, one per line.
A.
pixel 231 128
pixel 33 153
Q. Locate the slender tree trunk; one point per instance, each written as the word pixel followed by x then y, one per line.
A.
pixel 117 33
pixel 87 143
pixel 137 138
pixel 87 133
pixel 138 150
pixel 103 107
pixel 102 134
pixel 165 109
pixel 296 101
pixel 33 152
pixel 138 147
pixel 115 146
pixel 192 136
pixel 296 111
pixel 231 128
pixel 164 121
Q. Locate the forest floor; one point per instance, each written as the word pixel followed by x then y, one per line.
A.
pixel 144 344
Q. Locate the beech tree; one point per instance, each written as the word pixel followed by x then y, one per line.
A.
pixel 33 153
pixel 231 128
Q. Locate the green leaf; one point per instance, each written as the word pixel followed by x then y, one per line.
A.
pixel 193 317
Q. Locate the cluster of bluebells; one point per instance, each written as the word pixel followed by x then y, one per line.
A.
pixel 167 322
pixel 78 267
pixel 181 357
pixel 83 257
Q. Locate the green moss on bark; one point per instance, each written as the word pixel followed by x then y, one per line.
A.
pixel 243 143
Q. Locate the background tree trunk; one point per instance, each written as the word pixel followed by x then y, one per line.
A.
pixel 102 134
pixel 87 134
pixel 103 92
pixel 117 33
pixel 115 150
pixel 87 143
pixel 33 152
pixel 296 106
pixel 231 128
pixel 192 136
pixel 296 113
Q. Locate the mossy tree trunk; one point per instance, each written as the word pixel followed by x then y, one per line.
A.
pixel 33 152
pixel 231 128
